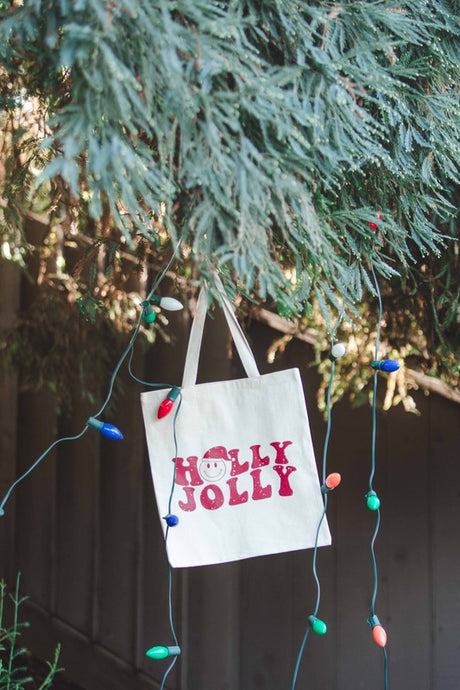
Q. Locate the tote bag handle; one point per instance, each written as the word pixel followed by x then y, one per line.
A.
pixel 196 335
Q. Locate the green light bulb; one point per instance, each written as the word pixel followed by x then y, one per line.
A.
pixel 162 652
pixel 373 501
pixel 318 626
pixel 157 652
pixel 149 314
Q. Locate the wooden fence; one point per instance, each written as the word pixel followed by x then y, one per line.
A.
pixel 84 532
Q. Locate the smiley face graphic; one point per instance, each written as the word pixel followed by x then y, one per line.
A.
pixel 212 467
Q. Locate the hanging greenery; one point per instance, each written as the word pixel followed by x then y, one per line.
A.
pixel 290 144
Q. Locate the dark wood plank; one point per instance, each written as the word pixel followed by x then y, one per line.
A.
pixel 213 617
pixel 445 516
pixel 9 304
pixel 240 625
pixel 266 630
pixel 89 665
pixel 120 483
pixel 77 526
pixel 35 496
pixel 358 660
pixel 406 528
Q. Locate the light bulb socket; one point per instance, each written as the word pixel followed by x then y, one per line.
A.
pixel 373 621
pixel 173 393
pixel 154 299
pixel 94 423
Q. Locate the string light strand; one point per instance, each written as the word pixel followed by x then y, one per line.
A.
pixel 313 621
pixel 373 501
pixel 113 377
pixel 36 463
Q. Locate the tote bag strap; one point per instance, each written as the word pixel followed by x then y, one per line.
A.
pixel 196 334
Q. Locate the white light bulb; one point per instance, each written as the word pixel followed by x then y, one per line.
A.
pixel 170 304
pixel 338 350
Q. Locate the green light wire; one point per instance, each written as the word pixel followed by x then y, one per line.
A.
pixel 373 466
pixel 36 463
pixel 130 345
pixel 171 494
pixel 110 389
pixel 173 484
pixel 161 275
pixel 129 350
pixel 323 515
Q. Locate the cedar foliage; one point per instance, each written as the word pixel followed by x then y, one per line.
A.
pixel 264 135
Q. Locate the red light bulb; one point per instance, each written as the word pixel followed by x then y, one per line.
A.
pixel 168 403
pixel 374 226
pixel 333 480
pixel 165 408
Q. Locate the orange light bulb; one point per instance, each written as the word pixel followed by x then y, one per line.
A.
pixel 379 635
pixel 333 480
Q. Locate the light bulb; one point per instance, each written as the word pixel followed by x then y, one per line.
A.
pixel 338 350
pixel 168 403
pixel 379 635
pixel 162 652
pixel 374 226
pixel 372 500
pixel 107 430
pixel 387 365
pixel 168 303
pixel 171 520
pixel 318 626
pixel 149 314
pixel 378 632
pixel 332 481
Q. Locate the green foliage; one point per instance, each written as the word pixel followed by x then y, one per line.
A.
pixel 68 348
pixel 247 127
pixel 265 136
pixel 14 670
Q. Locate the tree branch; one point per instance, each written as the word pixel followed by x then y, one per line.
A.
pixel 310 336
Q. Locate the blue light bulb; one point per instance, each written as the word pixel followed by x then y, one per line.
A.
pixel 387 365
pixel 171 520
pixel 107 430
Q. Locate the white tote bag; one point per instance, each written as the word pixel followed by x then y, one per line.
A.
pixel 246 482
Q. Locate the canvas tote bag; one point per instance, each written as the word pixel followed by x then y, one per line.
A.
pixel 246 482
